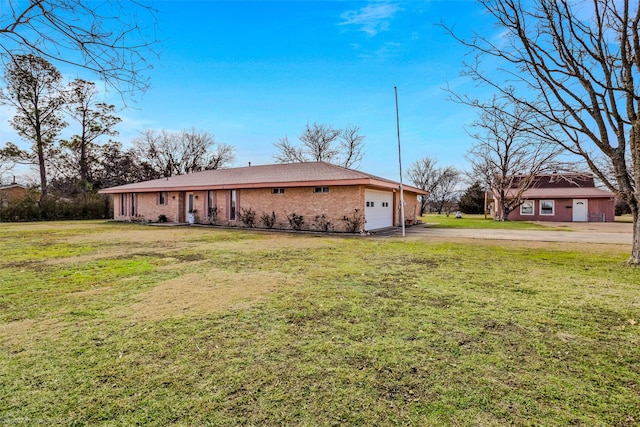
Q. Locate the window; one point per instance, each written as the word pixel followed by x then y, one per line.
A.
pixel 370 204
pixel 211 204
pixel 385 204
pixel 123 201
pixel 134 204
pixel 526 208
pixel 232 208
pixel 321 189
pixel 277 191
pixel 190 208
pixel 162 198
pixel 546 207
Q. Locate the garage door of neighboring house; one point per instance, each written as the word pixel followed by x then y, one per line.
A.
pixel 378 209
pixel 579 210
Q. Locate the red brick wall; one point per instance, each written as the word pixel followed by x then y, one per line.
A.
pixel 338 203
pixel 11 193
pixel 335 205
pixel 411 208
pixel 148 207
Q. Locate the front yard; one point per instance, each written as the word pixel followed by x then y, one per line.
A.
pixel 123 324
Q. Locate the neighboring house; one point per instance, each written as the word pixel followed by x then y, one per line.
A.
pixel 12 192
pixel 563 197
pixel 319 192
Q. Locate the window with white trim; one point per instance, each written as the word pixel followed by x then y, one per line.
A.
pixel 277 191
pixel 320 189
pixel 546 207
pixel 526 208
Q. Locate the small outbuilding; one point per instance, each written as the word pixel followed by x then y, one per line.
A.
pixel 321 195
pixel 562 197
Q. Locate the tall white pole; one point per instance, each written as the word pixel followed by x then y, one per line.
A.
pixel 395 89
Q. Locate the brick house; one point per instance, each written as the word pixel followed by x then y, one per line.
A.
pixel 562 197
pixel 319 192
pixel 11 192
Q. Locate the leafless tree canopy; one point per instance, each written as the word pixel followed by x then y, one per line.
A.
pixel 177 153
pixel 323 143
pixel 508 153
pixel 440 182
pixel 105 37
pixel 577 65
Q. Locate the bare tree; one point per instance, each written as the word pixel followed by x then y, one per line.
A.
pixel 352 146
pixel 323 143
pixel 508 153
pixel 439 182
pixel 107 37
pixel 34 89
pixel 318 142
pixel 577 65
pixel 287 152
pixel 176 153
pixel 445 193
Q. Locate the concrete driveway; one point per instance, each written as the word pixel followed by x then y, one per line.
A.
pixel 604 233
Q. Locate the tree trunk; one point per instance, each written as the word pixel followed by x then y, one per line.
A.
pixel 635 248
pixel 43 170
pixel 504 211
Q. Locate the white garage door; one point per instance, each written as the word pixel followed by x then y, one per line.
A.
pixel 378 209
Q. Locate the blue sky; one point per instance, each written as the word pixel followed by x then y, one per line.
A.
pixel 251 72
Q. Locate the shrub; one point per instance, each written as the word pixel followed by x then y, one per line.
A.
pixel 162 218
pixel 355 222
pixel 269 220
pixel 55 207
pixel 621 207
pixel 21 209
pixel 321 222
pixel 212 214
pixel 248 217
pixel 295 221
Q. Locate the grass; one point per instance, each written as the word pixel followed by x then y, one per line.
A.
pixel 122 324
pixel 479 221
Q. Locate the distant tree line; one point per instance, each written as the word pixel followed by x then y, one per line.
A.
pixel 71 171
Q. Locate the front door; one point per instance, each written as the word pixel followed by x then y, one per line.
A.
pixel 579 210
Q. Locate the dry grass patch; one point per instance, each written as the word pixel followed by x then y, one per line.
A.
pixel 27 332
pixel 198 294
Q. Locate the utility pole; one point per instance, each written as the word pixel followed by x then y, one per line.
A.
pixel 395 89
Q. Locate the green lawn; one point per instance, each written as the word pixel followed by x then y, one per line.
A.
pixel 124 324
pixel 479 221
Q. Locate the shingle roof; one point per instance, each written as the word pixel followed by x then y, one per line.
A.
pixel 566 193
pixel 8 186
pixel 262 176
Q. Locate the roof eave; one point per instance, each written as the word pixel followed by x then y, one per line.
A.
pixel 370 182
